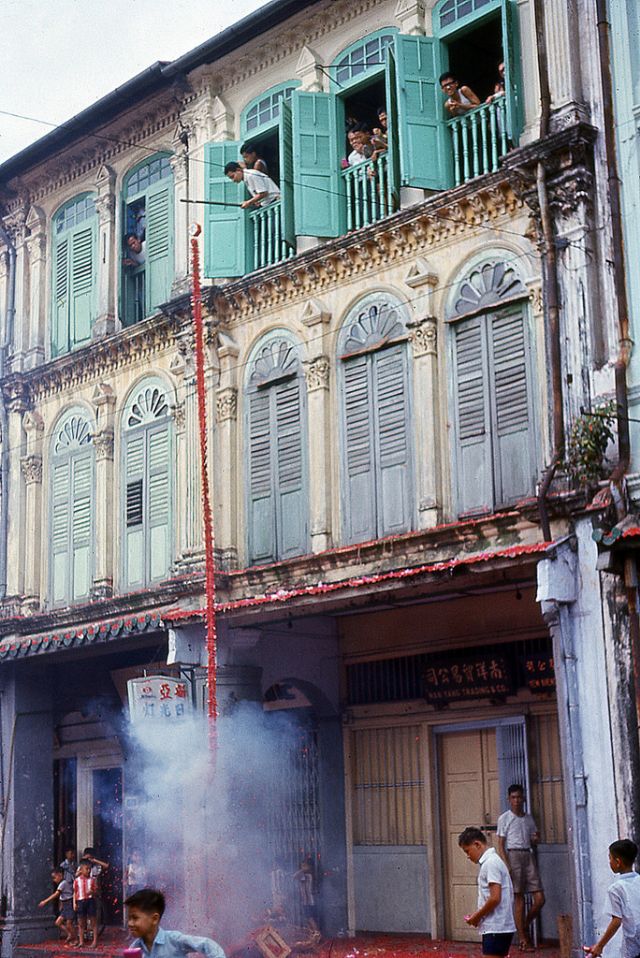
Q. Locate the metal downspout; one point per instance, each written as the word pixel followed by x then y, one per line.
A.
pixel 550 296
pixel 5 344
pixel 617 251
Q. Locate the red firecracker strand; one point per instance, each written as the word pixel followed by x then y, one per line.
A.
pixel 207 518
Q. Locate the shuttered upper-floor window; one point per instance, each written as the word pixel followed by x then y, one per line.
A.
pixel 148 261
pixel 276 425
pixel 494 461
pixel 377 486
pixel 72 509
pixel 74 274
pixel 147 502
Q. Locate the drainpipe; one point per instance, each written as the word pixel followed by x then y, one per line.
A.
pixel 550 295
pixel 617 252
pixel 5 345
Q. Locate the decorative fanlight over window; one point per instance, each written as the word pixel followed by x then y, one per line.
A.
pixel 150 404
pixel 374 322
pixel 74 433
pixel 277 359
pixel 491 284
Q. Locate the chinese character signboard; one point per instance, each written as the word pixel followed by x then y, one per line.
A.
pixel 158 698
pixel 539 672
pixel 472 677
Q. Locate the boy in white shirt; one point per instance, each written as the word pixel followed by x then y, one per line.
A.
pixel 518 837
pixel 624 901
pixel 262 188
pixel 494 914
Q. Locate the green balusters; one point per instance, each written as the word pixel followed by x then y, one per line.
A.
pixel 455 138
pixel 466 171
pixel 494 136
pixel 473 118
pixel 484 126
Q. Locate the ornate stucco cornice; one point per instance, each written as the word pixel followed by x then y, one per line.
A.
pixel 444 217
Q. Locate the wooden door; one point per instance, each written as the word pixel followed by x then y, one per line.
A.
pixel 470 793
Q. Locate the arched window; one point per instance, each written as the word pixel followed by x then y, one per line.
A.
pixel 74 279
pixel 494 455
pixel 376 485
pixel 148 217
pixel 148 494
pixel 362 56
pixel 265 110
pixel 72 507
pixel 276 451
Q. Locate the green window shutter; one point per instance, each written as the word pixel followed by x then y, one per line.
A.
pixel 159 244
pixel 227 247
pixel 473 467
pixel 158 526
pixel 512 69
pixel 60 318
pixel 291 499
pixel 514 439
pixel 60 531
pixel 82 285
pixel 393 462
pixel 262 519
pixel 286 174
pixel 319 186
pixel 359 490
pixel 134 532
pixel 425 150
pixel 81 526
pixel 393 153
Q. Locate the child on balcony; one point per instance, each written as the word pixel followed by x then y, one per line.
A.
pixel 460 99
pixel 262 188
pixel 251 160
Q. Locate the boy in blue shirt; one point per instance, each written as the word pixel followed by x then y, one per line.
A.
pixel 624 901
pixel 144 911
pixel 494 915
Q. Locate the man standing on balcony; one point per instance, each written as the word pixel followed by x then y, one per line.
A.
pixel 262 188
pixel 460 99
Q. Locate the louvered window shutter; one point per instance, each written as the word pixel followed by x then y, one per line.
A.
pixel 82 285
pixel 159 244
pixel 60 533
pixel 359 492
pixel 134 533
pixel 514 440
pixel 81 526
pixel 60 318
pixel 262 518
pixel 158 532
pixel 393 479
pixel 473 466
pixel 291 510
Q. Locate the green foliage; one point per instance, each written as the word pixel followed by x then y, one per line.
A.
pixel 590 435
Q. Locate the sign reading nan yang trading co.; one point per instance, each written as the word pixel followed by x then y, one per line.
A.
pixel 159 698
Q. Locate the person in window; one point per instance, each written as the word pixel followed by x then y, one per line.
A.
pixel 262 188
pixel 251 160
pixel 134 250
pixel 499 88
pixel 360 141
pixel 380 138
pixel 460 99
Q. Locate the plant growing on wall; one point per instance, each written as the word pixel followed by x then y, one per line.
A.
pixel 591 433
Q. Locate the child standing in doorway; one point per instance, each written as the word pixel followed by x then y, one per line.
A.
pixel 84 903
pixel 64 895
pixel 494 915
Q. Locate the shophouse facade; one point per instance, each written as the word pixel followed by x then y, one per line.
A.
pixel 385 394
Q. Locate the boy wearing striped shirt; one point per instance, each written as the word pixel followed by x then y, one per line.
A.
pixel 84 902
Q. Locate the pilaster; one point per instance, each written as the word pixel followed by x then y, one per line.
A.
pixel 182 215
pixel 423 335
pixel 36 248
pixel 562 24
pixel 31 467
pixel 225 477
pixel 106 508
pixel 16 399
pixel 107 253
pixel 317 371
pixel 308 70
pixel 17 226
pixel 410 16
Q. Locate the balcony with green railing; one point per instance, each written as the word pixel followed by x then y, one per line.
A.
pixel 369 192
pixel 267 240
pixel 479 139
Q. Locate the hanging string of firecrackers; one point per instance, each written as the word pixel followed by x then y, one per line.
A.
pixel 207 516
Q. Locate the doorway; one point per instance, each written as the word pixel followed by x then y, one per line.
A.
pixel 470 795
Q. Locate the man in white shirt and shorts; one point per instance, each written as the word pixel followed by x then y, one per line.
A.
pixel 517 839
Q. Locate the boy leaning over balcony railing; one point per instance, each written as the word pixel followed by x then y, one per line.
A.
pixel 262 188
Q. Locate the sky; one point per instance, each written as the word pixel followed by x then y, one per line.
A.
pixel 59 56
